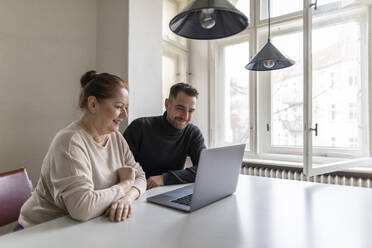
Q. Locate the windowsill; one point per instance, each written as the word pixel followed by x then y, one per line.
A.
pixel 291 164
pixel 275 163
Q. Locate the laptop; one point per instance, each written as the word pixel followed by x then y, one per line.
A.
pixel 217 177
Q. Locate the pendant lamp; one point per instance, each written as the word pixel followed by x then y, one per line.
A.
pixel 208 19
pixel 269 58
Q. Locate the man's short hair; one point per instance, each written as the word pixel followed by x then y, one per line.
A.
pixel 185 88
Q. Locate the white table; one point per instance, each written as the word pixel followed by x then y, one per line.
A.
pixel 264 212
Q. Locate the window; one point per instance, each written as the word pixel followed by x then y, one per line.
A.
pixel 280 93
pixel 286 93
pixel 175 50
pixel 351 80
pixel 333 141
pixel 331 81
pixel 336 56
pixel 242 5
pixel 171 9
pixel 352 112
pixel 333 112
pixel 174 69
pixel 288 7
pixel 279 8
pixel 170 72
pixel 233 90
pixel 269 105
pixel 353 142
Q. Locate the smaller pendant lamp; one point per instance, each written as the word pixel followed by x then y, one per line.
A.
pixel 269 58
pixel 208 19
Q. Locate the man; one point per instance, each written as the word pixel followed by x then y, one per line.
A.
pixel 161 143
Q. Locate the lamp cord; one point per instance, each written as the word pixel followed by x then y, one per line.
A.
pixel 268 1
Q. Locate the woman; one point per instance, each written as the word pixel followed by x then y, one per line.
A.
pixel 89 169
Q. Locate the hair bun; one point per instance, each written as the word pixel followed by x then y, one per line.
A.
pixel 87 77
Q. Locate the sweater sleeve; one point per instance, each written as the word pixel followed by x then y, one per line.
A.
pixel 187 175
pixel 73 187
pixel 140 181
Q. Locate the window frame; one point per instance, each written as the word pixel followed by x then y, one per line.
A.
pixel 257 149
pixel 265 107
pixel 218 47
pixel 311 169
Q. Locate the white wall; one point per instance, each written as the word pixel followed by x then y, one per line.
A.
pixel 145 53
pixel 45 46
pixel 112 39
pixel 199 78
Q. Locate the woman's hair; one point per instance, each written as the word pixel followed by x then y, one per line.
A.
pixel 99 85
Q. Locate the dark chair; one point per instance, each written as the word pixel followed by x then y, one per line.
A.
pixel 15 189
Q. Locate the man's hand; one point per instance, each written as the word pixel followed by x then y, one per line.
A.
pixel 155 181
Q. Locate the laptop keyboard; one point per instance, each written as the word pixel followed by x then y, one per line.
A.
pixel 185 200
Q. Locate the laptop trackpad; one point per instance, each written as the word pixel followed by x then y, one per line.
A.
pixel 167 198
pixel 178 193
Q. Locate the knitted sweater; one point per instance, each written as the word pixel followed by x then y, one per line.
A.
pixel 162 149
pixel 79 177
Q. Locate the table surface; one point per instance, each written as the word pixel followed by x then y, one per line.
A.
pixel 264 212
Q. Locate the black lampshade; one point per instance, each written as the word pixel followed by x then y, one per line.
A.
pixel 269 58
pixel 208 19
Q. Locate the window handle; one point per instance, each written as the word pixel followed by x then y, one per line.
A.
pixel 315 129
pixel 268 127
pixel 315 4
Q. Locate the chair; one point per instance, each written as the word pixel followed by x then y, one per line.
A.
pixel 15 189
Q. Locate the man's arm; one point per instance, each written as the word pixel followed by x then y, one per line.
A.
pixel 187 175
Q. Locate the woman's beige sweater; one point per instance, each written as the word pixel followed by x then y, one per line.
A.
pixel 79 177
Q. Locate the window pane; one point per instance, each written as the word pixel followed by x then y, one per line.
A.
pixel 286 94
pixel 233 126
pixel 284 7
pixel 174 70
pixel 169 73
pixel 337 83
pixel 242 5
pixel 170 10
pixel 336 3
pixel 278 8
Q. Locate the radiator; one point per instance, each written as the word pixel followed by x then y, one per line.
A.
pixel 295 174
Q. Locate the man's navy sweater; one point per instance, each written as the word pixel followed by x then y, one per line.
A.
pixel 162 149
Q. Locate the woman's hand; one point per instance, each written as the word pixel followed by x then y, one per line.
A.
pixel 120 209
pixel 127 174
